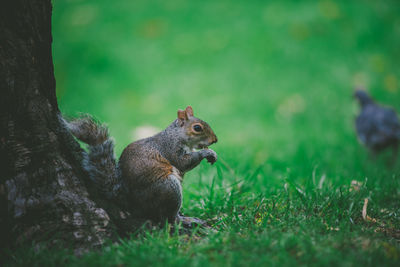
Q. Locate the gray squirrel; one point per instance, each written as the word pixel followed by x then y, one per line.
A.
pixel 150 171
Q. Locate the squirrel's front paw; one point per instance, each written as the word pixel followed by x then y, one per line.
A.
pixel 210 155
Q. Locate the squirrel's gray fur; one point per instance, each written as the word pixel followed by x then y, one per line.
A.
pixel 149 171
pixel 100 162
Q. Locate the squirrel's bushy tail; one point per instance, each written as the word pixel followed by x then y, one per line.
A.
pixel 100 163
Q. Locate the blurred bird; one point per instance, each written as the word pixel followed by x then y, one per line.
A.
pixel 377 127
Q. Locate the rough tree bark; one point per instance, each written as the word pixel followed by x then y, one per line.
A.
pixel 44 191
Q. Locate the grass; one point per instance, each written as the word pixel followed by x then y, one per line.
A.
pixel 274 79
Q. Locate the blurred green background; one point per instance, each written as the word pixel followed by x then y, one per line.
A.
pixel 270 77
pixel 274 79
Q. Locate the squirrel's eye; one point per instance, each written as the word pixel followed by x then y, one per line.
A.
pixel 197 128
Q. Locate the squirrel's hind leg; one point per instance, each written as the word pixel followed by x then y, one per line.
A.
pixel 163 199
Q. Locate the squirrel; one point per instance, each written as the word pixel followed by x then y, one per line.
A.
pixel 150 171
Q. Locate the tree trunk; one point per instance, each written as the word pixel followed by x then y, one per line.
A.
pixel 44 192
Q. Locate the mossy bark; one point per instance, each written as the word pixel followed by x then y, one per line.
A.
pixel 44 191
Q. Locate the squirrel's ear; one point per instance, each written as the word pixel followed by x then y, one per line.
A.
pixel 189 111
pixel 182 116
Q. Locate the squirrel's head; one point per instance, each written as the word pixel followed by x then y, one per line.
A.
pixel 198 134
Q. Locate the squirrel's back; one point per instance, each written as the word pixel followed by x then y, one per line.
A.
pixel 142 164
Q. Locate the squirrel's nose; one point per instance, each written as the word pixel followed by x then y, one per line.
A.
pixel 215 139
